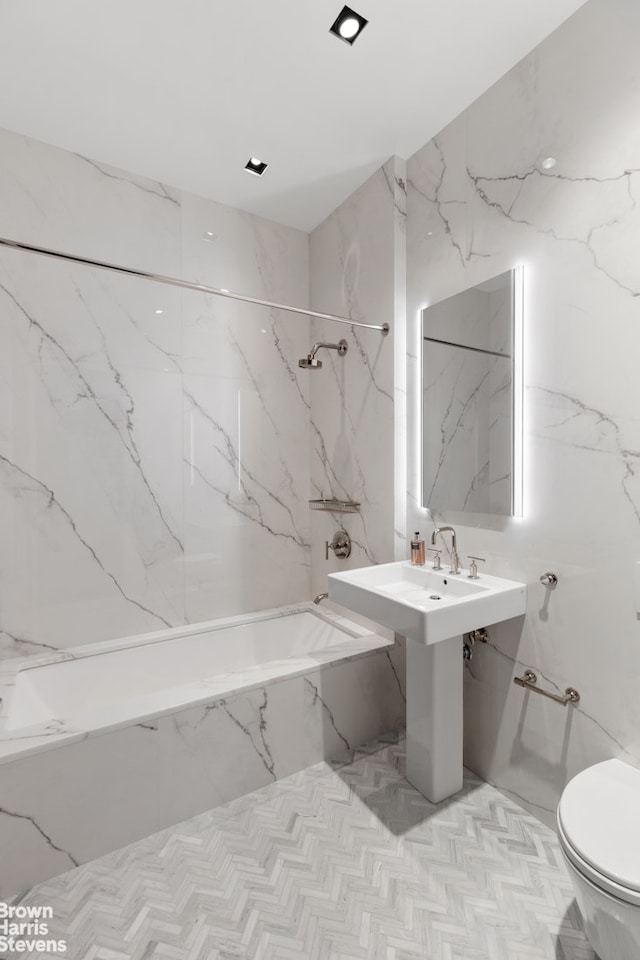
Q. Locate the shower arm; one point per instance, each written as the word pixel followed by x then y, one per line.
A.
pixel 340 347
pixel 185 284
pixel 310 361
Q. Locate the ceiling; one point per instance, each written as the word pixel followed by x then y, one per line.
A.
pixel 185 91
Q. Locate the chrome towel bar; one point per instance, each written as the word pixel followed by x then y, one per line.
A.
pixel 530 680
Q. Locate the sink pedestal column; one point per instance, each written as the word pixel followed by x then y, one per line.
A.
pixel 434 717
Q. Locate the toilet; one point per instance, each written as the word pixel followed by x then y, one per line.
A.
pixel 599 833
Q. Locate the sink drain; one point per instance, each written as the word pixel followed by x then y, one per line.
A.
pixel 435 596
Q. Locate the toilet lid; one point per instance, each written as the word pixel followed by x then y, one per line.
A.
pixel 599 819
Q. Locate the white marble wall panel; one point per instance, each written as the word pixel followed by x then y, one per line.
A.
pixel 246 415
pixel 100 794
pixel 53 198
pixel 91 495
pixel 214 753
pixel 480 202
pixel 153 443
pixel 400 347
pixel 353 263
pixel 351 703
pixel 245 474
pixel 67 805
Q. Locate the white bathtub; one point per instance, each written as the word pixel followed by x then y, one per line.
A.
pixel 182 665
pixel 111 741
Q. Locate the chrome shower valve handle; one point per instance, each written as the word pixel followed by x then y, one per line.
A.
pixel 341 545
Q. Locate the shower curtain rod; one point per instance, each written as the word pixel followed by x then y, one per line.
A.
pixel 186 284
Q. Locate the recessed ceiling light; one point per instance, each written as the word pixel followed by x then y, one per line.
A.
pixel 549 163
pixel 348 25
pixel 255 166
pixel 159 311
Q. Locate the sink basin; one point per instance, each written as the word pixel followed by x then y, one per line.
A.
pixel 424 604
pixel 431 608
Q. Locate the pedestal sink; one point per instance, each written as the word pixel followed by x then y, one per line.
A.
pixel 432 609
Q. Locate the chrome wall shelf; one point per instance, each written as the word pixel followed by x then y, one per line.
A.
pixel 335 506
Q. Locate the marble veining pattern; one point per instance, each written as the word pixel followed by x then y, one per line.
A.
pixel 480 202
pixel 352 397
pixel 146 475
pixel 336 861
pixel 18 740
pixel 185 751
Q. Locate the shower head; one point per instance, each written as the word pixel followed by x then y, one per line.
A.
pixel 310 360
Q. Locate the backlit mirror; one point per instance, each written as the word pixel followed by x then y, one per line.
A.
pixel 472 399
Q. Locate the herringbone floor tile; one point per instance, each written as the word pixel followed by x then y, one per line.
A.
pixel 334 863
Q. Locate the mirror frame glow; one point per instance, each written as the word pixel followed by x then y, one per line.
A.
pixel 517 398
pixel 518 391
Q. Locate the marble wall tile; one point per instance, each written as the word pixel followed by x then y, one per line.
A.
pixel 575 228
pixel 255 257
pixel 352 402
pixel 246 470
pixel 91 492
pixel 100 794
pixel 351 703
pixel 66 805
pixel 214 753
pixel 53 198
pixel 400 347
pixel 246 415
pixel 153 442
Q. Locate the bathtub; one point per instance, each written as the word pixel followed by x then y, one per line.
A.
pixel 111 741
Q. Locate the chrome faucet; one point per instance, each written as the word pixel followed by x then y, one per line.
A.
pixel 320 597
pixel 454 559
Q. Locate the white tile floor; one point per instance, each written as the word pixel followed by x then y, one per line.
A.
pixel 335 863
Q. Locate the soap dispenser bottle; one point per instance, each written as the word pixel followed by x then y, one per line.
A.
pixel 417 551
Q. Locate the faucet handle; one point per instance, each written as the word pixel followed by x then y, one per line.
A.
pixel 436 560
pixel 473 569
pixel 341 545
